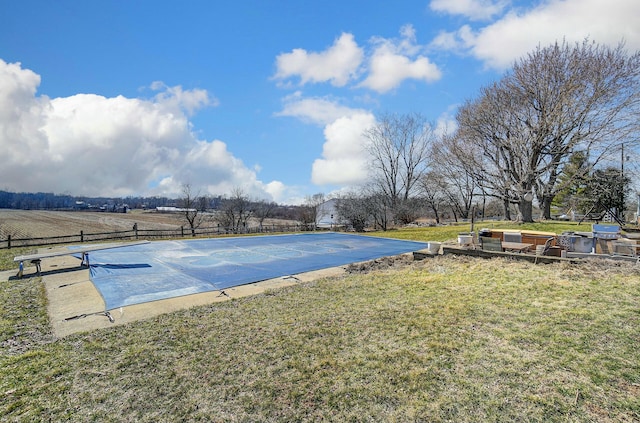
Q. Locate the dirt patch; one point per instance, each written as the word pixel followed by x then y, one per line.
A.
pixel 380 264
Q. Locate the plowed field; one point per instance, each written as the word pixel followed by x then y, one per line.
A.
pixel 46 223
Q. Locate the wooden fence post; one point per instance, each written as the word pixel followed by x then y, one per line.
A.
pixel 182 231
pixel 9 241
pixel 135 229
pixel 81 236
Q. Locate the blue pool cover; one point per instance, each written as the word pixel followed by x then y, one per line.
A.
pixel 166 269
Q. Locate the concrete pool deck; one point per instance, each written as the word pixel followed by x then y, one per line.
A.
pixel 75 305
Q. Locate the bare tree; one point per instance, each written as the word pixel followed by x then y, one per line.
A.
pixel 433 193
pixel 263 210
pixel 379 206
pixel 354 210
pixel 191 205
pixel 555 101
pixel 458 183
pixel 310 212
pixel 399 150
pixel 235 211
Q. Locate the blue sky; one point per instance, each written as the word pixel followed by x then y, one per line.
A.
pixel 122 98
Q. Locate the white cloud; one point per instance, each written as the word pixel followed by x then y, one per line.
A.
pixel 178 99
pixel 285 194
pixel 446 123
pixel 338 64
pixel 92 145
pixel 277 190
pixel 344 158
pixel 394 61
pixel 112 146
pixel 211 167
pixel 461 39
pixel 390 62
pixel 319 111
pixel 472 9
pixel 21 117
pixel 519 32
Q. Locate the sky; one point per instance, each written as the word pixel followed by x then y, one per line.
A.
pixel 138 98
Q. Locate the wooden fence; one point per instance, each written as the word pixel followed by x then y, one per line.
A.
pixel 136 233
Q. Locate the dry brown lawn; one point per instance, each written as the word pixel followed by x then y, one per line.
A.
pixel 448 339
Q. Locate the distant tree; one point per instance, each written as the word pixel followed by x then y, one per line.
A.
pixel 235 211
pixel 203 203
pixel 494 207
pixel 572 183
pixel 379 206
pixel 189 203
pixel 408 211
pixel 605 191
pixel 458 182
pixel 354 210
pixel 433 191
pixel 263 210
pixel 398 147
pixel 311 210
pixel 287 212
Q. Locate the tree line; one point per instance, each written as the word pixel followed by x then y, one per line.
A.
pixel 235 212
pixel 51 201
pixel 548 133
pixel 248 208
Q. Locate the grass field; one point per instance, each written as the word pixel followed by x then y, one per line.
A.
pixel 450 232
pixel 444 339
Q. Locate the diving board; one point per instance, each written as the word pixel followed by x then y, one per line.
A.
pixel 84 251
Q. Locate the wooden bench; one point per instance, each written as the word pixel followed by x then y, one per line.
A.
pixel 37 258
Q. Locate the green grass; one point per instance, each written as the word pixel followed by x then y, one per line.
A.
pixel 445 339
pixel 7 255
pixel 450 232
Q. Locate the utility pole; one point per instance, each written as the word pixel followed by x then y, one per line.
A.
pixel 621 211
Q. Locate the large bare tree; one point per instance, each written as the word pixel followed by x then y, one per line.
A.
pixel 555 101
pixel 399 147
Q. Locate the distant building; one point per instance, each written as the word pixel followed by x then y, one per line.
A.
pixel 173 210
pixel 327 214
